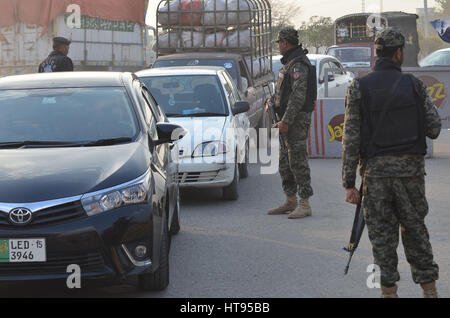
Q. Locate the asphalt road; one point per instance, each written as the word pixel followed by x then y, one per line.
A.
pixel 234 249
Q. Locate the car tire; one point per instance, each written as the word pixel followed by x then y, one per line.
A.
pixel 175 226
pixel 159 279
pixel 243 167
pixel 231 193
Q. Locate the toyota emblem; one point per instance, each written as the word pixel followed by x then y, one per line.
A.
pixel 20 216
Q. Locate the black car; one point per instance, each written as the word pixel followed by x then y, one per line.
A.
pixel 88 177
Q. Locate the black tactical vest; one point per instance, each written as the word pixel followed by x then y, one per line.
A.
pixel 56 62
pixel 403 128
pixel 284 86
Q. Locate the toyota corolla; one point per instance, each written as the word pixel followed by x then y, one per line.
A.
pixel 88 179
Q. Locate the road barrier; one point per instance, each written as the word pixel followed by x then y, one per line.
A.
pixel 327 128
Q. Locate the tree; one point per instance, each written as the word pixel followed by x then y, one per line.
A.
pixel 283 15
pixel 284 12
pixel 444 7
pixel 317 33
pixel 431 43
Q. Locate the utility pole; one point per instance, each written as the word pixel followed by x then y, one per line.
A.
pixel 363 6
pixel 425 6
pixel 381 6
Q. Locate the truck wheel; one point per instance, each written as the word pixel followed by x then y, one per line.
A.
pixel 230 193
pixel 159 279
pixel 243 167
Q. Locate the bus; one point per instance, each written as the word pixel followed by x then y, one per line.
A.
pixel 354 37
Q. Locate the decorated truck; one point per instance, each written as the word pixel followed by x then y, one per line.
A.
pixel 234 34
pixel 108 35
pixel 354 37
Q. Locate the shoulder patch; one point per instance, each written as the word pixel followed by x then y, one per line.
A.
pixel 297 71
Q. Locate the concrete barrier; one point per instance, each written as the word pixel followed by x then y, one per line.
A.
pixel 327 127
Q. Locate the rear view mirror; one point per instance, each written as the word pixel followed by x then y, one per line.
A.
pixel 171 85
pixel 168 133
pixel 241 107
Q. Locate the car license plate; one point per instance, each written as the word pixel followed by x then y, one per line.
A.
pixel 22 250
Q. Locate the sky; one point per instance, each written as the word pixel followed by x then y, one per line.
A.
pixel 333 8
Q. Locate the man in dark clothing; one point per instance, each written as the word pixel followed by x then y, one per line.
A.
pixel 58 61
pixel 294 101
pixel 387 118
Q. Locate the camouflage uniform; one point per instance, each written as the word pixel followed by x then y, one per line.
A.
pixel 293 165
pixel 394 191
pixel 293 161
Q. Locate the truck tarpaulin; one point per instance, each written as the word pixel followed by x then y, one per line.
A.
pixel 43 12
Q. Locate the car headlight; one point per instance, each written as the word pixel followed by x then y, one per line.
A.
pixel 133 192
pixel 210 149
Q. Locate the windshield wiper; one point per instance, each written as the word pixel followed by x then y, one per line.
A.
pixel 107 142
pixel 37 144
pixel 56 144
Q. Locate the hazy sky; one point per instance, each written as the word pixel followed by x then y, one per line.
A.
pixel 334 8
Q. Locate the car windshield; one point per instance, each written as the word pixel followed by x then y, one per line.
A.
pixel 66 115
pixel 437 59
pixel 229 65
pixel 188 95
pixel 352 54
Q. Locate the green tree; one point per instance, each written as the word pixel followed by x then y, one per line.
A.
pixel 317 32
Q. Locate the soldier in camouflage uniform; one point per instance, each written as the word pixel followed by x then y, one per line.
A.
pixel 294 102
pixel 389 144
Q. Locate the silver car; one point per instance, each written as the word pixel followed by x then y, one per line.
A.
pixel 205 100
pixel 338 80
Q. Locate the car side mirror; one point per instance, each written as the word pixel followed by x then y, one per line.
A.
pixel 330 77
pixel 240 107
pixel 168 133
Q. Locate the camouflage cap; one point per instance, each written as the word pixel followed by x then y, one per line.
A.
pixel 288 34
pixel 389 37
pixel 61 40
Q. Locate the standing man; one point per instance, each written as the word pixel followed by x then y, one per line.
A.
pixel 295 97
pixel 58 61
pixel 388 116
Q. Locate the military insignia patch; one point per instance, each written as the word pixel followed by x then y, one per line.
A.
pixel 296 75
